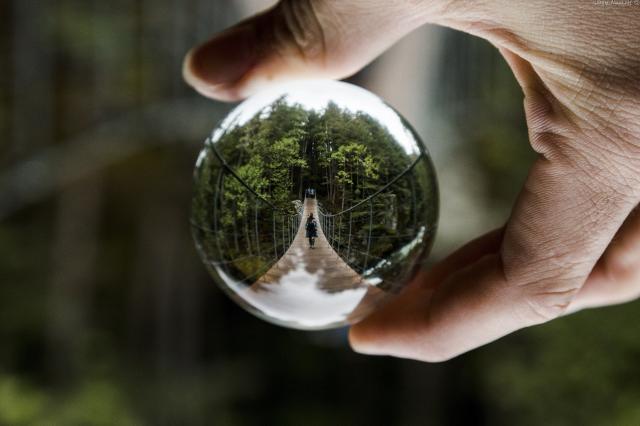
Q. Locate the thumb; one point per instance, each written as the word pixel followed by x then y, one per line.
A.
pixel 299 39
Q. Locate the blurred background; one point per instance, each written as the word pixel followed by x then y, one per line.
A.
pixel 107 316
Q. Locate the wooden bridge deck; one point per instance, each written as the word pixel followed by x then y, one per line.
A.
pixel 312 288
pixel 334 273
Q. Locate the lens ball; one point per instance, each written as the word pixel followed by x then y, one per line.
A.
pixel 314 203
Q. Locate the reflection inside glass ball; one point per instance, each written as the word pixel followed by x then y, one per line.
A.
pixel 313 204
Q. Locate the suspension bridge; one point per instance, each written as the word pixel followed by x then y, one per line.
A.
pixel 334 273
pixel 265 260
pixel 310 285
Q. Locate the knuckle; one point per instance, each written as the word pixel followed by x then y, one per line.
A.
pixel 595 133
pixel 603 172
pixel 545 302
pixel 546 287
pixel 299 27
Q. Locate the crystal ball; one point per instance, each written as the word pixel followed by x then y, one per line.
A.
pixel 314 203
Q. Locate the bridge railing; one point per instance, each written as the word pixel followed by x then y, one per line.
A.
pixel 240 232
pixel 366 234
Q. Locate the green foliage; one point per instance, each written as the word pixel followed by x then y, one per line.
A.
pixel 97 402
pixel 581 369
pixel 345 156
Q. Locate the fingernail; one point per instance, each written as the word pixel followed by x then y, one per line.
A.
pixel 223 60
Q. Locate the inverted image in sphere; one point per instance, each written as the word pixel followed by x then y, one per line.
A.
pixel 313 204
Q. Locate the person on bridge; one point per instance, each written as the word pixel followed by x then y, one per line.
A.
pixel 312 230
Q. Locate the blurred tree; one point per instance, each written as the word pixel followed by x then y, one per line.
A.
pixel 98 134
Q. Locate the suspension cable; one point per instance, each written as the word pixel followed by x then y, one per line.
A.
pixel 226 165
pixel 378 192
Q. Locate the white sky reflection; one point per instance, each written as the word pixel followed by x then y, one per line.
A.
pixel 297 299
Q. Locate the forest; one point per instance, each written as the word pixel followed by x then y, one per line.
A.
pixel 256 174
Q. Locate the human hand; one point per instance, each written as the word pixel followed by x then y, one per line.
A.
pixel 573 238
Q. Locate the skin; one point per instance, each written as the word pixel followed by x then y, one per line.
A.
pixel 572 240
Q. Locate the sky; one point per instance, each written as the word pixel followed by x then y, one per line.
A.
pixel 316 94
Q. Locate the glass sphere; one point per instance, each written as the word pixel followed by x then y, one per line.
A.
pixel 314 201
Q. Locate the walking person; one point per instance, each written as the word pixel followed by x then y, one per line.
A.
pixel 312 230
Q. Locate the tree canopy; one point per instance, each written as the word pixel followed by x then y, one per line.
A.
pixel 283 149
